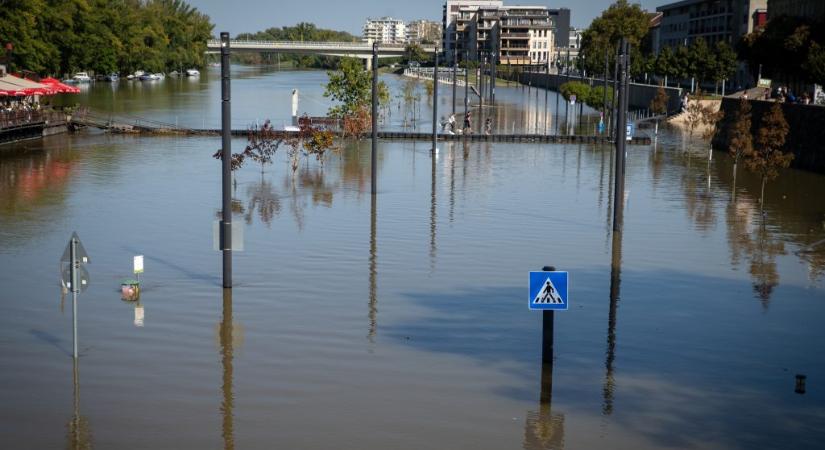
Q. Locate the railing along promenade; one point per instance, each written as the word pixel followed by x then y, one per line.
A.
pixel 332 48
pixel 21 118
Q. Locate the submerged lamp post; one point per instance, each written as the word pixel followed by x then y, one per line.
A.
pixel 435 100
pixel 226 160
pixel 374 187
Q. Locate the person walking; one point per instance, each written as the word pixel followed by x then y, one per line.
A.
pixel 488 126
pixel 468 125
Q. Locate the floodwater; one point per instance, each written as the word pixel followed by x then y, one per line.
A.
pixel 402 322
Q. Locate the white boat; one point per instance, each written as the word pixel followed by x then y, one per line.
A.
pixel 130 77
pixel 82 77
pixel 192 72
pixel 139 73
pixel 158 76
pixel 148 77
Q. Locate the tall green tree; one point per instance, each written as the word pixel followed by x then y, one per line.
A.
pixel 619 20
pixel 62 36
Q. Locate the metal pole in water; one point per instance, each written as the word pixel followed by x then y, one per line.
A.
pixel 435 100
pixel 621 124
pixel 226 156
pixel 455 69
pixel 74 266
pixel 374 187
pixel 547 329
pixel 466 85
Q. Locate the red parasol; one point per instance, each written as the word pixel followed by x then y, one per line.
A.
pixel 59 87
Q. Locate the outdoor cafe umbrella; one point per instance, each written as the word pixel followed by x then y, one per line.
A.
pixel 59 87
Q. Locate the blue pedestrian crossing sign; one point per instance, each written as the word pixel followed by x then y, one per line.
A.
pixel 548 290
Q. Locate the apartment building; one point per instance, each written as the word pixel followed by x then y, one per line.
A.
pixel 518 35
pixel 385 30
pixel 713 20
pixel 419 31
pixel 454 22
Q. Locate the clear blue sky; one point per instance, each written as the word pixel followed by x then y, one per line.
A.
pixel 237 16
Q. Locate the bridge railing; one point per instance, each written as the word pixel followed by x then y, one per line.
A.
pixel 214 43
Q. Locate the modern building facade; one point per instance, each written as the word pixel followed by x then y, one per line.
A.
pixel 810 9
pixel 560 19
pixel 712 20
pixel 426 31
pixel 385 30
pixel 517 35
pixel 452 16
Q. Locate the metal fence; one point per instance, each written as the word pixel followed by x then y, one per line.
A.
pixel 18 119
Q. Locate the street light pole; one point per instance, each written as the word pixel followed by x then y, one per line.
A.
pixel 435 100
pixel 373 170
pixel 621 124
pixel 226 160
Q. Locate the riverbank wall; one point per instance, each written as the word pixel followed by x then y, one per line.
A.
pixel 806 137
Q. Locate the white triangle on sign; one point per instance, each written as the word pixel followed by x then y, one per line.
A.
pixel 548 295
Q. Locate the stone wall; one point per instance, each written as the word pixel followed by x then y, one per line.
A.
pixel 806 138
pixel 640 94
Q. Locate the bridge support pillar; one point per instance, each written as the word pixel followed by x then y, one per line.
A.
pixel 368 64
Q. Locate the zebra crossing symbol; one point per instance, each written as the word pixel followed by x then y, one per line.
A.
pixel 548 290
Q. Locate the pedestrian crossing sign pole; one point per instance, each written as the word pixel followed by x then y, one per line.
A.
pixel 548 291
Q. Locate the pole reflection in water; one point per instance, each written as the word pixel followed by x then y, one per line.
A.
pixel 452 179
pixel 610 354
pixel 227 350
pixel 373 305
pixel 544 430
pixel 432 214
pixel 79 433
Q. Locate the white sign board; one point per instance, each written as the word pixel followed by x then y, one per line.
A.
pixel 138 264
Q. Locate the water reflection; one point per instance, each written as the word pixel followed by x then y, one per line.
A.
pixel 373 290
pixel 78 430
pixel 264 201
pixel 544 430
pixel 33 185
pixel 227 342
pixel 610 355
pixel 755 242
pixel 433 219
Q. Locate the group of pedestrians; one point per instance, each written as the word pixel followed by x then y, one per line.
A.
pixel 784 95
pixel 450 126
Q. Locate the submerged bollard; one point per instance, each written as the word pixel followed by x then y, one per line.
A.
pixel 800 384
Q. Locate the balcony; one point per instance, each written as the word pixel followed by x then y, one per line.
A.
pixel 515 35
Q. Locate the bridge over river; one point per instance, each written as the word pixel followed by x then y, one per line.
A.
pixel 361 50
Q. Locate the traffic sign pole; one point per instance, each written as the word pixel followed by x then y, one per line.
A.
pixel 548 319
pixel 73 276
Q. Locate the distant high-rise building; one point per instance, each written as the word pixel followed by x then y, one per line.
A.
pixel 385 30
pixel 424 31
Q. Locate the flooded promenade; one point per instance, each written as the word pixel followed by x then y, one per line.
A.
pixel 403 323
